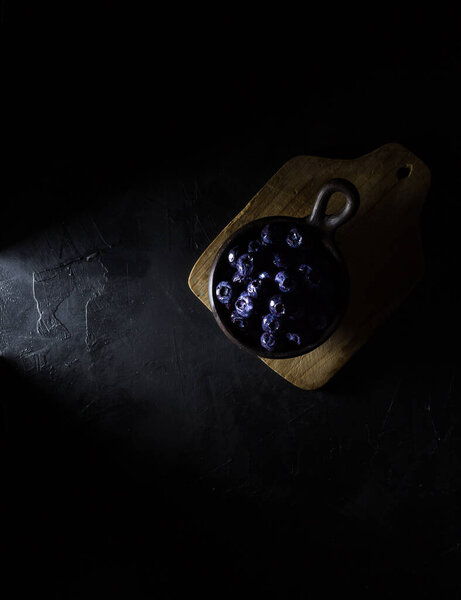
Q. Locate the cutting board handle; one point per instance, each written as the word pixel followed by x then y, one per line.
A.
pixel 329 223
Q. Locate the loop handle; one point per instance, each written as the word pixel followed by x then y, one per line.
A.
pixel 329 223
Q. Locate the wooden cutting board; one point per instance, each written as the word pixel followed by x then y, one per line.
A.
pixel 381 245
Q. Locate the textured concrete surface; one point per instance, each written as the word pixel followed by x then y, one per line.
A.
pixel 146 454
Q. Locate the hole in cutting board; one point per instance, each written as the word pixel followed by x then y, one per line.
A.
pixel 404 172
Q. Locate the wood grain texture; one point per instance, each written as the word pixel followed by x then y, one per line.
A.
pixel 381 245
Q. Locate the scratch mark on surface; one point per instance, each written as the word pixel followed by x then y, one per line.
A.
pixel 98 231
pixel 214 469
pixel 71 362
pixel 386 418
pixel 127 281
pixel 455 548
pixel 301 414
pixel 177 360
pixel 173 300
pixel 391 404
pixel 87 331
pixel 199 223
pixel 168 229
pixel 428 409
pixel 65 242
pixel 87 406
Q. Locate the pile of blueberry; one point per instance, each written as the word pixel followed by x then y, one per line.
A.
pixel 278 288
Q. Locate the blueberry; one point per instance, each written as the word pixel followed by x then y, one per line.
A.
pixel 267 235
pixel 244 304
pixel 232 256
pixel 224 292
pixel 254 246
pixel 294 337
pixel 306 270
pixel 285 281
pixel 279 260
pixel 237 278
pixel 294 238
pixel 253 287
pixel 270 323
pixel 265 275
pixel 258 286
pixel 268 341
pixel 310 275
pixel 276 306
pixel 245 265
pixel 238 320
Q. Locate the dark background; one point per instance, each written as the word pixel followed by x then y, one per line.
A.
pixel 145 455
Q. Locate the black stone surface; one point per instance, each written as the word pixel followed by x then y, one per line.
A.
pixel 146 456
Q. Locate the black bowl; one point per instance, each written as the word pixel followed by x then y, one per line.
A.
pixel 316 271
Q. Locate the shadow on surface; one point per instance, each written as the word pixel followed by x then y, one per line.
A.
pixel 84 517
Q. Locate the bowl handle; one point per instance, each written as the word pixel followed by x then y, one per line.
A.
pixel 329 223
